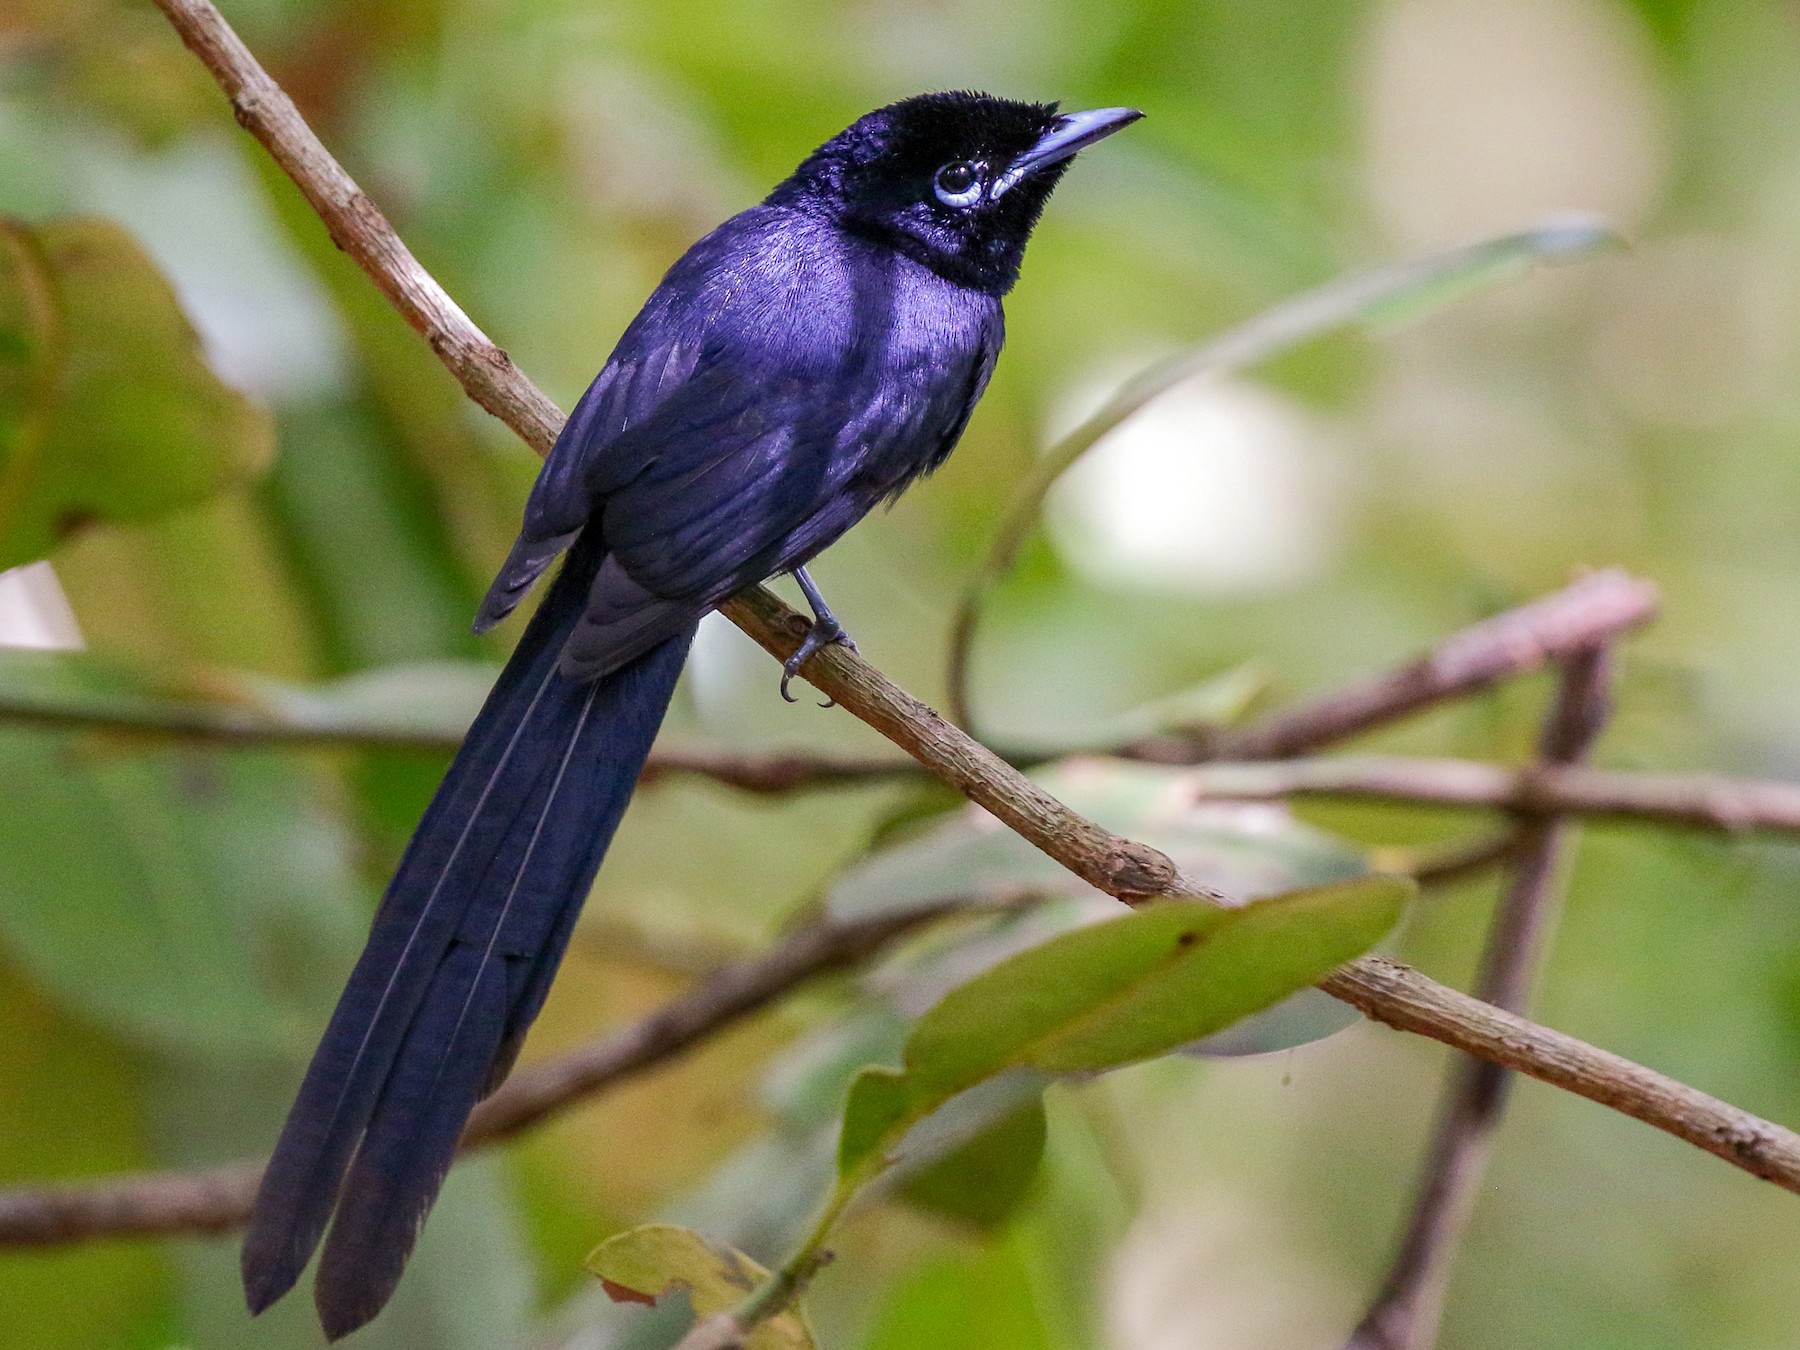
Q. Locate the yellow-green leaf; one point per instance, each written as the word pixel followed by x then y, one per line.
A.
pixel 1145 984
pixel 108 410
pixel 645 1264
pixel 984 1181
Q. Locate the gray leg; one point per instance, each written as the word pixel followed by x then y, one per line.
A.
pixel 824 631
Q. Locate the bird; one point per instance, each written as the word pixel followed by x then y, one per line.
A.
pixel 804 362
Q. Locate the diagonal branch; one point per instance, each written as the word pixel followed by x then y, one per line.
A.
pixel 218 1199
pixel 1595 609
pixel 1399 996
pixel 357 226
pixel 1126 869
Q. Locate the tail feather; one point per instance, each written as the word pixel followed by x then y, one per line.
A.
pixel 411 1139
pixel 458 961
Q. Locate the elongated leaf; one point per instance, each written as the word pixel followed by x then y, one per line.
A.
pixel 645 1264
pixel 1115 993
pixel 877 1107
pixel 107 409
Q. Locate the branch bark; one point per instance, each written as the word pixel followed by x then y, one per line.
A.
pixel 1595 609
pixel 1394 994
pixel 485 372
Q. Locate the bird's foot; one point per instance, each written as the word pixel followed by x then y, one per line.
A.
pixel 825 630
pixel 822 634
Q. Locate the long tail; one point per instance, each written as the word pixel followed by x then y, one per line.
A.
pixel 458 962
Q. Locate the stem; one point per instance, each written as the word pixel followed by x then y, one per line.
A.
pixel 779 1292
pixel 1409 1308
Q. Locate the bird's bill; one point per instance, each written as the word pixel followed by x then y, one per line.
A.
pixel 1069 133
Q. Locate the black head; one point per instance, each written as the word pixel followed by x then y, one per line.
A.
pixel 955 180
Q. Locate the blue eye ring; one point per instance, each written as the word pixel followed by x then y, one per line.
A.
pixel 959 183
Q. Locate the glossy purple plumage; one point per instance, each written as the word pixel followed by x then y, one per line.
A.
pixel 805 361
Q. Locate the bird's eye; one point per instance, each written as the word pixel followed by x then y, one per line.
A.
pixel 958 184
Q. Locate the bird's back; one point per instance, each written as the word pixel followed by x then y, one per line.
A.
pixel 786 376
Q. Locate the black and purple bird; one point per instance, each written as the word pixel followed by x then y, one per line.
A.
pixel 808 359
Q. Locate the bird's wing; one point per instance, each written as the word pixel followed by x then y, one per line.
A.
pixel 652 360
pixel 745 478
pixel 775 387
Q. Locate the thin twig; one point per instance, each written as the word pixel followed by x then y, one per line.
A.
pixel 211 722
pixel 771 773
pixel 218 1199
pixel 1131 871
pixel 1407 1310
pixel 215 722
pixel 1702 801
pixel 1596 609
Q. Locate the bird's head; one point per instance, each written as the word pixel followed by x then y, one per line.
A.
pixel 955 180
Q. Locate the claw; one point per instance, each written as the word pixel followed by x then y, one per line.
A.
pixel 825 630
pixel 821 635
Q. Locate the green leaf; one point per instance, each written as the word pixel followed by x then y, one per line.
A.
pixel 1113 993
pixel 984 1181
pixel 971 1300
pixel 645 1264
pixel 1144 984
pixel 879 1100
pixel 108 411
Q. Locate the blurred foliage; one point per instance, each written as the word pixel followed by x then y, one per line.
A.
pixel 174 922
pixel 107 410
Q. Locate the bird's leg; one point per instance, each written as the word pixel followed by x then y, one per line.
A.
pixel 824 631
